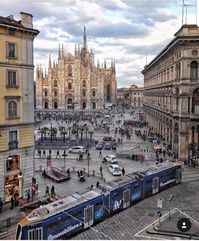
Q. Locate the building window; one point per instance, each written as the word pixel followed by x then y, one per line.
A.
pixel 69 86
pixel 94 93
pixel 45 105
pixel 84 93
pixel 11 32
pixel 12 163
pixel 45 93
pixel 55 83
pixel 12 109
pixel 55 93
pixel 11 79
pixel 194 70
pixel 70 70
pixel 13 143
pixel 55 105
pixel 84 83
pixel 11 50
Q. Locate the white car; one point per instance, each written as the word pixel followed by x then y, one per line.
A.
pixel 77 149
pixel 115 170
pixel 110 159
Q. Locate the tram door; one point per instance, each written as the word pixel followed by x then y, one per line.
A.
pixel 88 216
pixel 35 234
pixel 126 198
pixel 155 185
pixel 178 175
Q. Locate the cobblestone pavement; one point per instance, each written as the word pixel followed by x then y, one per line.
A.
pixel 127 223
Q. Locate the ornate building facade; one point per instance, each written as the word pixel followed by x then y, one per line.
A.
pixel 74 82
pixel 171 97
pixel 136 96
pixel 17 104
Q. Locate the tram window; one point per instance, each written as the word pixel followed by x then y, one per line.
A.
pixel 136 187
pixel 77 214
pixel 53 225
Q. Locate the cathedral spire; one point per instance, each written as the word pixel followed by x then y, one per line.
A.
pixel 62 53
pixel 105 63
pixel 59 52
pixel 84 39
pixel 75 50
pixel 49 62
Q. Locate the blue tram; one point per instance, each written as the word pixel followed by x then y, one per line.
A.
pixel 75 213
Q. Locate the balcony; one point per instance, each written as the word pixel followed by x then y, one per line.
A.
pixel 13 145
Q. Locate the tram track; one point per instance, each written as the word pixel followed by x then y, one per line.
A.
pixel 8 234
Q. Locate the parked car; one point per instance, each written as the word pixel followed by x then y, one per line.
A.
pixel 110 158
pixel 107 138
pixel 77 149
pixel 107 146
pixel 99 146
pixel 115 170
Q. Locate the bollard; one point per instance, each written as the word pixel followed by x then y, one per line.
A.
pixel 93 172
pixel 40 168
pixel 104 179
pixel 8 222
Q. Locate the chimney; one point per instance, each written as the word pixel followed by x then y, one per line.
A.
pixel 26 20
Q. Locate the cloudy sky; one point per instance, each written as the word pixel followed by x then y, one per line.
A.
pixel 126 30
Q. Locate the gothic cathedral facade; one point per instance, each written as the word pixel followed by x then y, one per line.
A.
pixel 75 82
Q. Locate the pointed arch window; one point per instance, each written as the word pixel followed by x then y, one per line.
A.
pixel 84 83
pixel 55 83
pixel 70 70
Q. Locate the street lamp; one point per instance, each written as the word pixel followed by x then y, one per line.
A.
pixel 88 157
pixel 51 132
pixel 64 155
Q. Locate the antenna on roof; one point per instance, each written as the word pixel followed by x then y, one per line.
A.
pixel 184 10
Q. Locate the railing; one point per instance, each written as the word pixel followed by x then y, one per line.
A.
pixel 13 145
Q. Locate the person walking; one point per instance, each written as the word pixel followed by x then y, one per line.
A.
pixel 100 153
pixel 78 174
pixel 47 190
pixel 101 170
pixel 1 205
pixel 97 184
pixel 58 155
pixel 28 195
pixel 52 191
pixel 123 171
pixel 12 202
pixel 44 153
pixel 49 152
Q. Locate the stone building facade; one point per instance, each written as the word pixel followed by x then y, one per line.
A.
pixel 136 96
pixel 171 97
pixel 74 82
pixel 17 104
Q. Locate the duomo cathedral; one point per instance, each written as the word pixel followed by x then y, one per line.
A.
pixel 75 82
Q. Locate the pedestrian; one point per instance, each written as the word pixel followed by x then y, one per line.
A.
pixel 44 173
pixel 1 205
pixel 97 184
pixel 52 191
pixel 78 174
pixel 58 155
pixel 68 172
pixel 12 202
pixel 100 153
pixel 49 152
pixel 91 186
pixel 101 170
pixel 28 195
pixel 44 153
pixel 47 190
pixel 123 171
